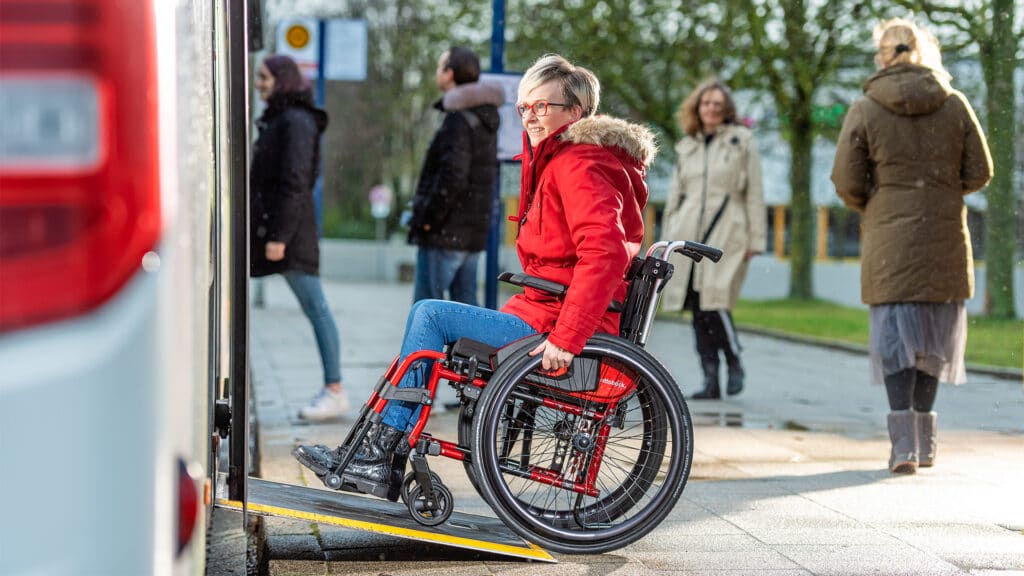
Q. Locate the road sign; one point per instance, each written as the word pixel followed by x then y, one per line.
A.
pixel 345 50
pixel 510 135
pixel 299 38
pixel 380 201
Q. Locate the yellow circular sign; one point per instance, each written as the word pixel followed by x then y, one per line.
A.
pixel 297 36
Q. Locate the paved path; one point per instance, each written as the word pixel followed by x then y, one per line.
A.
pixel 788 478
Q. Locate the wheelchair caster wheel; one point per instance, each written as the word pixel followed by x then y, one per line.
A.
pixel 410 479
pixel 427 512
pixel 332 481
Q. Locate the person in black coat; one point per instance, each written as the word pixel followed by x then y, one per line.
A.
pixel 283 233
pixel 452 204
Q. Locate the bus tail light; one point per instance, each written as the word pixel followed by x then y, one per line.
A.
pixel 188 506
pixel 79 178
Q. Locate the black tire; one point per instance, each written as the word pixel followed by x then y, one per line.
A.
pixel 445 505
pixel 645 462
pixel 466 440
pixel 409 481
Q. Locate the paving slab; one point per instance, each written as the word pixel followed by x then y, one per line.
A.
pixel 788 478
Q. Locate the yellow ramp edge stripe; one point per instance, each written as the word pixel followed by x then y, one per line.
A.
pixel 533 551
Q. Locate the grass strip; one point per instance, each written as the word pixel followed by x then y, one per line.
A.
pixel 990 342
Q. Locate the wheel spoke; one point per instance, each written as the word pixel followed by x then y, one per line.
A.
pixel 591 477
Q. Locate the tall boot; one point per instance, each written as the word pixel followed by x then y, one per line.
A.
pixel 711 389
pixel 322 459
pixel 735 384
pixel 926 422
pixel 369 471
pixel 903 434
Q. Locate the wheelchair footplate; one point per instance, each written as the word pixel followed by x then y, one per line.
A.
pixel 460 530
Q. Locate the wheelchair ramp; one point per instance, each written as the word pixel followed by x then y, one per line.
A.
pixel 466 531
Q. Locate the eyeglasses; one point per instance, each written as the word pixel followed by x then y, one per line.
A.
pixel 539 108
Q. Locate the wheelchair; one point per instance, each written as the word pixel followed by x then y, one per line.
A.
pixel 582 461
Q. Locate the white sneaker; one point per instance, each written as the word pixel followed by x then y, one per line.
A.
pixel 326 405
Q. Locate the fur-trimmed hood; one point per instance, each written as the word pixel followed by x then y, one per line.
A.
pixel 636 140
pixel 471 95
pixel 481 99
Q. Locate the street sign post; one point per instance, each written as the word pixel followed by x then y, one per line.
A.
pixel 380 206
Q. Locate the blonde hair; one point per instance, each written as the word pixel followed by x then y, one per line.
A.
pixel 579 86
pixel 688 114
pixel 901 41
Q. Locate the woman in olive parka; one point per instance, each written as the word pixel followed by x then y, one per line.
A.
pixel 909 151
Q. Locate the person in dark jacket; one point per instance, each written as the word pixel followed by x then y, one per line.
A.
pixel 582 198
pixel 452 205
pixel 283 232
pixel 909 151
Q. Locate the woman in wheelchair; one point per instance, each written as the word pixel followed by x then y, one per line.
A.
pixel 582 197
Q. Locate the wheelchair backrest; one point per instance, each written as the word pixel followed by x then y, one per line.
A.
pixel 646 277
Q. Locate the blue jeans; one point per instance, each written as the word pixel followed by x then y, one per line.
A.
pixel 432 324
pixel 310 294
pixel 439 270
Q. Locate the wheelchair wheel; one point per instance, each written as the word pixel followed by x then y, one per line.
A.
pixel 430 512
pixel 576 475
pixel 410 481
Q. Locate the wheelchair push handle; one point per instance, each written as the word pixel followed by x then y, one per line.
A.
pixel 694 250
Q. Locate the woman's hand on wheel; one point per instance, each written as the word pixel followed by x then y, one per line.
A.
pixel 554 357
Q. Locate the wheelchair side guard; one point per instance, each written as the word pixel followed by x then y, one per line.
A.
pixel 567 381
pixel 511 348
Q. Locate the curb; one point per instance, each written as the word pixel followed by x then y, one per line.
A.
pixel 839 345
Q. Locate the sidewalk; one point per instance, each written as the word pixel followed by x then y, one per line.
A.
pixel 788 478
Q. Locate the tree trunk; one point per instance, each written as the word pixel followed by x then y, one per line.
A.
pixel 801 247
pixel 998 59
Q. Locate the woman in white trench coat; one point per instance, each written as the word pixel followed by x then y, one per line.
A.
pixel 715 198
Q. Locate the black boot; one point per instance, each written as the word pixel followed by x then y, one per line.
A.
pixel 322 459
pixel 711 389
pixel 369 471
pixel 735 385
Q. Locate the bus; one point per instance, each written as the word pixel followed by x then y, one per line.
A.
pixel 123 151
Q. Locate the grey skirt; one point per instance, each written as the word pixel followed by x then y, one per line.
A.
pixel 925 336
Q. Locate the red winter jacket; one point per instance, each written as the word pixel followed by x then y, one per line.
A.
pixel 580 223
